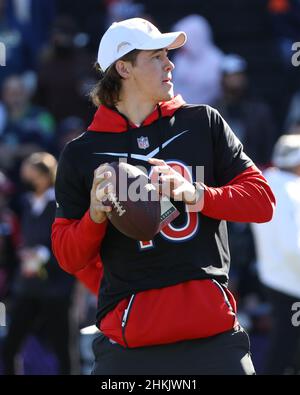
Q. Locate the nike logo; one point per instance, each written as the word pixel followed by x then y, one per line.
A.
pixel 143 157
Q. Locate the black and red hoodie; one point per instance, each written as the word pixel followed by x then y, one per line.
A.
pixel 175 286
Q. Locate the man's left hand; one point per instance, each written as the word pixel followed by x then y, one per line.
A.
pixel 172 183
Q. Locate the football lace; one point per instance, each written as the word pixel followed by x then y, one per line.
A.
pixel 116 204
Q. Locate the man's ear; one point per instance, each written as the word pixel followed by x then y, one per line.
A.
pixel 123 68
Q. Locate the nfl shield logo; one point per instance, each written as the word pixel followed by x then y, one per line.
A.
pixel 143 142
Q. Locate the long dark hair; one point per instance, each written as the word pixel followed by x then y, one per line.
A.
pixel 107 89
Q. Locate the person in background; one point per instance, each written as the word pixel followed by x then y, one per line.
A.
pixel 9 238
pixel 24 127
pixel 42 291
pixel 239 109
pixel 64 75
pixel 197 76
pixel 278 250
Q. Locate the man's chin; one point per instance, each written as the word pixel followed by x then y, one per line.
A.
pixel 167 95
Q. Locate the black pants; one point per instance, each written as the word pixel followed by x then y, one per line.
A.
pixel 283 356
pixel 49 318
pixel 227 353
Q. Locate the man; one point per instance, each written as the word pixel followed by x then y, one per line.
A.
pixel 279 256
pixel 164 307
pixel 236 105
pixel 203 59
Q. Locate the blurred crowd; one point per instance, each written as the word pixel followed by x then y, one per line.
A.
pixel 237 59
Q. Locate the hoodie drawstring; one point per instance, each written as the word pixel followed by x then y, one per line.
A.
pixel 131 143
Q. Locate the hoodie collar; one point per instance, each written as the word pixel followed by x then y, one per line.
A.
pixel 109 120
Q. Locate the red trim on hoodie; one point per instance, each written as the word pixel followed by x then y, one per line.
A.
pixel 108 120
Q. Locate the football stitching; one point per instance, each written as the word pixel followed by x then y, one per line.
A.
pixel 117 205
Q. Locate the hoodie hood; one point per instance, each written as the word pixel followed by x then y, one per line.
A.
pixel 109 120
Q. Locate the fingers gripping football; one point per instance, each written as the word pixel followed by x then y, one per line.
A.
pixel 100 191
pixel 134 204
pixel 172 183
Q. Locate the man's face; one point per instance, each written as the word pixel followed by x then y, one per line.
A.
pixel 32 176
pixel 235 84
pixel 14 94
pixel 151 76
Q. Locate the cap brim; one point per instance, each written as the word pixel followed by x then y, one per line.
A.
pixel 167 40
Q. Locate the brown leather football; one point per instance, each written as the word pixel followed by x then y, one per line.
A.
pixel 135 202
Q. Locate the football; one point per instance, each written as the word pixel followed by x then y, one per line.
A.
pixel 135 202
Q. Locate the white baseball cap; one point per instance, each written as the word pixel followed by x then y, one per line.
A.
pixel 286 152
pixel 135 33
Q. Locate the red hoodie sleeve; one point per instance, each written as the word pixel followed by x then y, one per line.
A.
pixel 76 245
pixel 91 275
pixel 246 198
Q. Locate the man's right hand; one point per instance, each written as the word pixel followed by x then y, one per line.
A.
pixel 100 189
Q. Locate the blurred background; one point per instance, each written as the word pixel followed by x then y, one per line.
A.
pixel 238 59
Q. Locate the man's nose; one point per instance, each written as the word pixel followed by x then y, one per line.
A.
pixel 169 66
